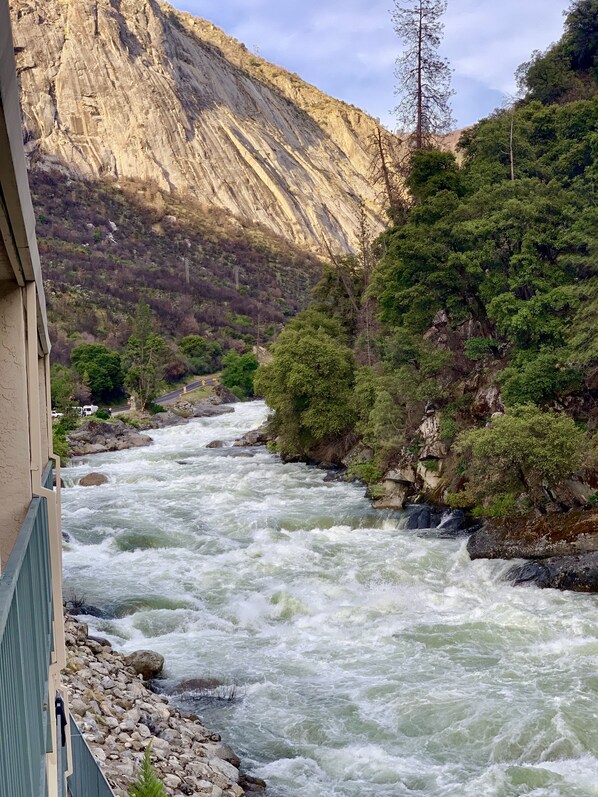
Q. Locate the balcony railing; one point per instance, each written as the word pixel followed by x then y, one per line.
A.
pixel 27 711
pixel 87 779
pixel 25 652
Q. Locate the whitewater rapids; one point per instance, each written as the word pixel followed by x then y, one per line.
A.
pixel 368 661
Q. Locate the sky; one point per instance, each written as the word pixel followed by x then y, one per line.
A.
pixel 348 48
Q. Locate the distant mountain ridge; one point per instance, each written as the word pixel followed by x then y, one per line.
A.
pixel 134 89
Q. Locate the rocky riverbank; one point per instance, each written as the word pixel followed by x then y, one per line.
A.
pixel 98 437
pixel 119 717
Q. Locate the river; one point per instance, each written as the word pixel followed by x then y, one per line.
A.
pixel 362 660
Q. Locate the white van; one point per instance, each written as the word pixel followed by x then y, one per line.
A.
pixel 89 409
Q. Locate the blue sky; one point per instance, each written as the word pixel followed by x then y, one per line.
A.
pixel 348 48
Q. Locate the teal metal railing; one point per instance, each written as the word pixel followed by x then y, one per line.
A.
pixel 87 779
pixel 25 653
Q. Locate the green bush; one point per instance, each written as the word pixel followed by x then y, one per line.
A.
pixel 519 453
pixel 103 415
pixel 480 348
pixel 238 373
pixel 367 472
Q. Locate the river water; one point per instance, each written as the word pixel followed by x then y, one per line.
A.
pixel 363 660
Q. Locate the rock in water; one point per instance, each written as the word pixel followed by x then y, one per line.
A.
pixel 93 480
pixel 96 437
pixel 147 663
pixel 576 573
pixel 536 537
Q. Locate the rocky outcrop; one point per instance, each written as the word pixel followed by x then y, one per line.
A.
pixel 536 537
pixel 135 89
pixel 120 717
pixel 255 437
pixel 93 480
pixel 163 419
pixel 576 573
pixel 96 437
pixel 222 395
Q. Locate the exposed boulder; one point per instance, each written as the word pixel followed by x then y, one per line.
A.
pixel 216 444
pixel 222 395
pixel 93 480
pixel 536 537
pixel 429 431
pixel 395 495
pixel 577 573
pixel 358 455
pixel 255 437
pixel 206 409
pixel 96 437
pixel 147 663
pixel 163 419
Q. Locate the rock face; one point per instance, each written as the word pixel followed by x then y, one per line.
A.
pixel 120 717
pixel 93 480
pixel 135 89
pixel 97 437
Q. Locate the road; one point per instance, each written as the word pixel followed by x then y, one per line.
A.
pixel 174 394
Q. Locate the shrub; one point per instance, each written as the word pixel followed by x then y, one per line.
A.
pixel 103 415
pixel 147 783
pixel 238 373
pixel 480 348
pixel 519 452
pixel 367 472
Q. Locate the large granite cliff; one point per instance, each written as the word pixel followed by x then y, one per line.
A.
pixel 135 89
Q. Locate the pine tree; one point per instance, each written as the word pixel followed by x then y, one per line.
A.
pixel 424 77
pixel 147 783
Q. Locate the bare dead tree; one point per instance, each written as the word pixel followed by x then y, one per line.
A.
pixel 423 76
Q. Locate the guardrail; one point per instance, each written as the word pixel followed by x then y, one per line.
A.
pixel 87 779
pixel 25 651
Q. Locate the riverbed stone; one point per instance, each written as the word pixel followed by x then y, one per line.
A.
pixel 147 663
pixel 119 717
pixel 93 480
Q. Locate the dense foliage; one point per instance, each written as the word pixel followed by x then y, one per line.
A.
pixel 489 283
pixel 144 359
pixel 238 373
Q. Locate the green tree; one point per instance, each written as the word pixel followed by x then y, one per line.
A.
pixel 64 387
pixel 309 383
pixel 423 77
pixel 144 358
pixel 100 369
pixel 204 355
pixel 239 372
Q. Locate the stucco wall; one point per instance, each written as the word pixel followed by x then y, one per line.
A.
pixel 15 480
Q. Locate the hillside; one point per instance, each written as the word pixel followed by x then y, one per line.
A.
pixel 138 91
pixel 104 248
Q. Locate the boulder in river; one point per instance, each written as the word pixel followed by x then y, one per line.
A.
pixel 147 663
pixel 255 437
pixel 163 419
pixel 216 444
pixel 577 573
pixel 96 437
pixel 93 480
pixel 536 537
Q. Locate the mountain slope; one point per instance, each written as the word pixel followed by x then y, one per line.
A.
pixel 134 89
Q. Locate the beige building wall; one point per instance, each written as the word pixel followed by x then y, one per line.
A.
pixel 15 457
pixel 25 411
